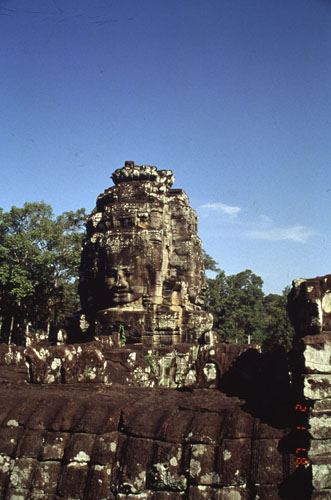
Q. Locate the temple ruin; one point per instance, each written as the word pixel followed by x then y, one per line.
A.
pixel 142 264
pixel 142 402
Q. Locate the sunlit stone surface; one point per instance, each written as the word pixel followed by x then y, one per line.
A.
pixel 142 261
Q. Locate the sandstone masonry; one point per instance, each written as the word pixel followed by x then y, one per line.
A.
pixel 142 267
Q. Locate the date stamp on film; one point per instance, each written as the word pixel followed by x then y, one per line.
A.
pixel 301 426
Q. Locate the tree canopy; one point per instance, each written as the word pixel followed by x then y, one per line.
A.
pixel 39 264
pixel 242 313
pixel 209 263
pixel 39 261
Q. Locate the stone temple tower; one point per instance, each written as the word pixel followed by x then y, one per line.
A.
pixel 141 266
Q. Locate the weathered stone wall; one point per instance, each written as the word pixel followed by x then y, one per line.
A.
pixel 310 310
pixel 140 406
pixel 186 365
pixel 76 435
pixel 91 442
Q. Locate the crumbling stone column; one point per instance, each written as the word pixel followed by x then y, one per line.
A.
pixel 309 307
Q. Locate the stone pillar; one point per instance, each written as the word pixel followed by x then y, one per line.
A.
pixel 310 312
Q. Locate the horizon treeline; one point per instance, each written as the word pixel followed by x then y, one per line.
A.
pixel 243 313
pixel 39 275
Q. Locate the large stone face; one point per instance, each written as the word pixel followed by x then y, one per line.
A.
pixel 142 262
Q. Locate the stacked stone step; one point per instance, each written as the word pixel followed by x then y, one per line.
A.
pixel 310 312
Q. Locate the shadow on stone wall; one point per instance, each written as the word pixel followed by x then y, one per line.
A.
pixel 263 381
pixel 298 485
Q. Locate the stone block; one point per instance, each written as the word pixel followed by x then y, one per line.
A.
pixel 40 369
pixel 320 420
pixel 317 386
pixel 22 473
pixel 206 428
pixel 267 466
pixel 176 427
pixel 79 448
pixel 320 449
pixel 106 447
pixel 21 415
pixel 3 412
pixel 43 414
pixel 135 460
pixel 146 420
pixel 263 430
pixel 31 444
pixel 55 443
pixel 320 427
pixel 239 425
pixel 203 493
pixel 166 472
pixel 9 438
pixel 6 467
pixel 73 481
pixel 322 406
pixel 39 495
pixel 46 478
pixel 144 495
pixel 99 483
pixel 202 465
pixel 234 493
pixel 68 416
pixel 86 364
pixel 321 476
pixel 233 463
pixel 317 354
pixel 99 419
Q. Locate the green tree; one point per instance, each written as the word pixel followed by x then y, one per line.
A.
pixel 278 327
pixel 236 302
pixel 241 311
pixel 39 260
pixel 209 263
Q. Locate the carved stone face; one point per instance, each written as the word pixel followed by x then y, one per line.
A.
pixel 124 279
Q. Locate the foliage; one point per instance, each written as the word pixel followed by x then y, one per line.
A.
pixel 151 360
pixel 209 263
pixel 235 302
pixel 39 260
pixel 243 313
pixel 279 330
pixel 122 336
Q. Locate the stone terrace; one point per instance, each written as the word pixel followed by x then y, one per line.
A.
pixel 89 441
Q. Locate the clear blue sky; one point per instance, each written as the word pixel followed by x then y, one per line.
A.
pixel 233 95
